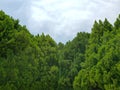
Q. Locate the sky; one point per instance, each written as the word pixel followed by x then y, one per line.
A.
pixel 61 19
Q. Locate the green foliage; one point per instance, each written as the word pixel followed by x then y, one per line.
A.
pixel 102 56
pixel 91 61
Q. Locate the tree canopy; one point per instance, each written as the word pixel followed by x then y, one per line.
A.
pixel 91 61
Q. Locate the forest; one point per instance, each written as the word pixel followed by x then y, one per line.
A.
pixel 91 61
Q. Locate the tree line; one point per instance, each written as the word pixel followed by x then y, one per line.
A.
pixel 91 61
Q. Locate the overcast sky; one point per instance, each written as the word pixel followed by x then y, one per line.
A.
pixel 61 19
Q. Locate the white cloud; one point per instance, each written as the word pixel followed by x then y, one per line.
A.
pixel 62 19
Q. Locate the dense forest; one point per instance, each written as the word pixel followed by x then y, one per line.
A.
pixel 91 61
